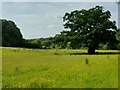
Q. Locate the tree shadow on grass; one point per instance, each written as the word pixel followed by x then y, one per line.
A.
pixel 96 53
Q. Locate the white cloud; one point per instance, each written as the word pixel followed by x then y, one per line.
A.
pixel 44 19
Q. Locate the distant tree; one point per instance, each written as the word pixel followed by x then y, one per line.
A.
pixel 118 35
pixel 33 43
pixel 11 35
pixel 91 26
pixel 60 40
pixel 68 40
pixel 118 38
pixel 47 42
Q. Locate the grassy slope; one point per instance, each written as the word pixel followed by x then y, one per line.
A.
pixel 58 69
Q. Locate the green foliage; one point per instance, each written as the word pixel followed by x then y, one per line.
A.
pixel 118 38
pixel 118 46
pixel 11 35
pixel 103 46
pixel 30 68
pixel 92 26
pixel 67 40
pixel 118 35
pixel 41 43
pixel 33 43
pixel 47 43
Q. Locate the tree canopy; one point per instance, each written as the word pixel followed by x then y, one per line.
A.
pixel 11 35
pixel 92 26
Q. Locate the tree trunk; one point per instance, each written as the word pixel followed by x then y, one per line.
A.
pixel 91 51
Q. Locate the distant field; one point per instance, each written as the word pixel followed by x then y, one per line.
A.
pixel 27 68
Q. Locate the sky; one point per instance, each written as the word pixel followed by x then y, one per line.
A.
pixel 45 19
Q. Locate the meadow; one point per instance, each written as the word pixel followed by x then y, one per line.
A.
pixel 27 68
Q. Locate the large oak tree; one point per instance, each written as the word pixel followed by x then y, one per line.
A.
pixel 93 26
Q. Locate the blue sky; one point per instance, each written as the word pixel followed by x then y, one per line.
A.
pixel 44 19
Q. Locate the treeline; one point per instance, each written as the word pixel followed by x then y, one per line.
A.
pixel 12 37
pixel 89 29
pixel 63 42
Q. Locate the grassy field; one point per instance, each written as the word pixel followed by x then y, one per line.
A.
pixel 25 68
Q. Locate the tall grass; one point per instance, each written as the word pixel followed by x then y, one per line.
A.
pixel 24 68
